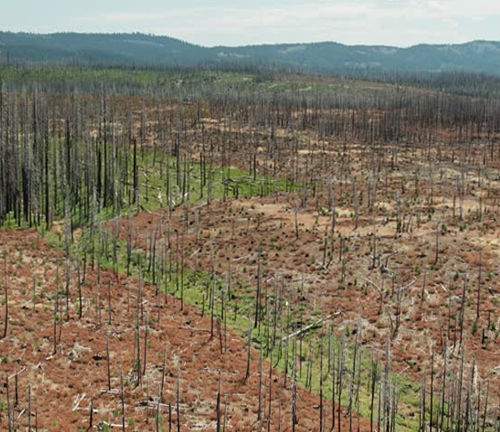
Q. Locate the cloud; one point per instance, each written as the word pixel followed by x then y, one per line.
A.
pixel 399 22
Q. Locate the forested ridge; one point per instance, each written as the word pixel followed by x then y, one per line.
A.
pixel 325 57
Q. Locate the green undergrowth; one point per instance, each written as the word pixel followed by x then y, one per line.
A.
pixel 163 182
pixel 195 182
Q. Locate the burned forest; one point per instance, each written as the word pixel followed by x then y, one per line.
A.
pixel 248 249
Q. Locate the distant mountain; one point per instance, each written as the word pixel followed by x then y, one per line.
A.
pixel 102 48
pixel 477 56
pixel 141 49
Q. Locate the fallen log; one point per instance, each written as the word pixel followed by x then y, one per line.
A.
pixel 309 327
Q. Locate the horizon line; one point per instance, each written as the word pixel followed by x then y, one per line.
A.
pixel 149 34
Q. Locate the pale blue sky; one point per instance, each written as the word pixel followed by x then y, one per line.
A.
pixel 235 22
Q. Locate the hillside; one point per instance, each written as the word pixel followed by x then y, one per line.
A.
pixel 477 56
pixel 213 250
pixel 140 49
pixel 107 48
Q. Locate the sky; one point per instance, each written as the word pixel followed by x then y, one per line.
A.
pixel 234 22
